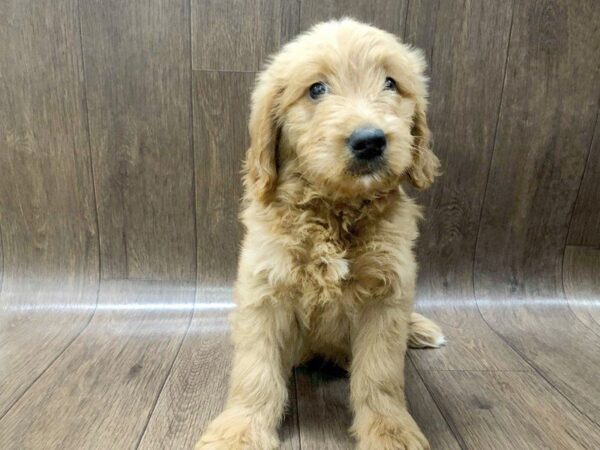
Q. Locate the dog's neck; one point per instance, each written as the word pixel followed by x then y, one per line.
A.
pixel 345 217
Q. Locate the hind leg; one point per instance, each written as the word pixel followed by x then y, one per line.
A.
pixel 424 333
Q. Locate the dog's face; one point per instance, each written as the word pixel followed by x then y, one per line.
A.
pixel 342 106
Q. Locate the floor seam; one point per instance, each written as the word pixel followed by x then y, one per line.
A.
pixel 297 409
pixel 450 425
pixel 572 213
pixel 536 369
pixel 169 372
pixel 489 171
pixel 51 363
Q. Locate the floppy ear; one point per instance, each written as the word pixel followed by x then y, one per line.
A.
pixel 260 166
pixel 425 165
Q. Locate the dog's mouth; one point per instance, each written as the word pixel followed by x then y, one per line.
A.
pixel 360 167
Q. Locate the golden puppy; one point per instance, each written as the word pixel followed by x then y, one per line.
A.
pixel 327 264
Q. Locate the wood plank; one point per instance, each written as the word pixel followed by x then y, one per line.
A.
pixel 581 269
pixel 557 345
pixel 470 342
pixel 585 223
pixel 1 263
pixel 426 413
pixel 138 89
pixel 545 129
pixel 196 389
pixel 46 193
pixel 496 410
pixel 289 433
pixel 466 45
pixel 386 14
pixel 324 413
pixel 239 35
pixel 546 124
pixel 101 391
pixel 221 108
pixel 49 236
pixel 41 323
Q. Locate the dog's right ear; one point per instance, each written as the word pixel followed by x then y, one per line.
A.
pixel 261 166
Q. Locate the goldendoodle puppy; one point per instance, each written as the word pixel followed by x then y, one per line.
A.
pixel 327 265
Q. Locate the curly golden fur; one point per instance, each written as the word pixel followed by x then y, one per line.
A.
pixel 327 264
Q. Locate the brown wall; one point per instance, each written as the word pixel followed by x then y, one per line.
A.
pixel 123 125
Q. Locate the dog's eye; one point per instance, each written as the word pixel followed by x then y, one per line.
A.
pixel 390 84
pixel 317 90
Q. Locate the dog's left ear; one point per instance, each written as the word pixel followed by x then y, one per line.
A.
pixel 425 165
pixel 260 166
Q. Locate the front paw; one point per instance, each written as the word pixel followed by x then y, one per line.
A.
pixel 384 433
pixel 231 431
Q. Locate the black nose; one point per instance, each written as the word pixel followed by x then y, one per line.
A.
pixel 367 143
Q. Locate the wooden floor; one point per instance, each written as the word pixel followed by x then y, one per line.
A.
pixel 145 365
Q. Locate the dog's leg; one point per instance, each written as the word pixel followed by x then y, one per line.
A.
pixel 424 333
pixel 264 337
pixel 382 421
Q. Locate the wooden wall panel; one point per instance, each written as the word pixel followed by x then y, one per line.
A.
pixel 1 257
pixel 466 46
pixel 581 279
pixel 221 108
pixel 47 213
pixel 46 194
pixel 585 223
pixel 240 34
pixel 545 128
pixel 387 14
pixel 138 89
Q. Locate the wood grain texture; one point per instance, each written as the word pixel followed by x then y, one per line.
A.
pixel 520 368
pixel 426 413
pixel 138 90
pixel 46 195
pixel 220 141
pixel 498 410
pixel 546 124
pixel 387 14
pixel 238 35
pixel 196 389
pixel 471 343
pixel 47 214
pixel 36 330
pixel 1 259
pixel 554 342
pixel 324 413
pixel 466 46
pixel 101 391
pixel 585 221
pixel 289 432
pixel 581 278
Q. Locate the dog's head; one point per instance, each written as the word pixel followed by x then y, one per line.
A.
pixel 343 107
